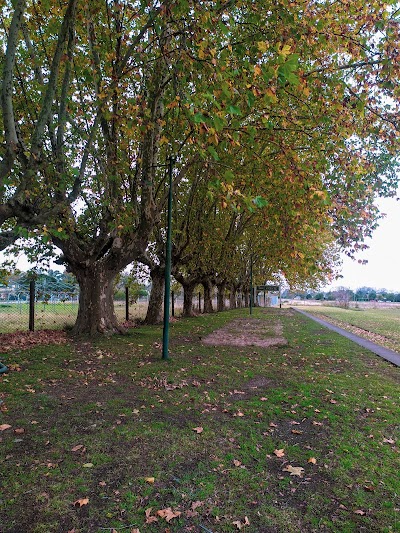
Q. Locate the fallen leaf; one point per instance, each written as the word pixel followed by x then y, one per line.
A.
pixel 150 519
pixel 360 512
pixel 81 502
pixel 240 525
pixel 19 431
pixel 263 399
pixel 389 441
pixel 236 462
pixel 279 453
pixel 272 425
pixel 312 460
pixel 196 504
pixel 198 429
pixel 77 448
pixel 296 432
pixel 3 427
pixel 149 479
pixel 294 470
pixel 88 465
pixel 135 530
pixel 168 514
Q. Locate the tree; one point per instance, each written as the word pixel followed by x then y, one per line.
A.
pixel 95 98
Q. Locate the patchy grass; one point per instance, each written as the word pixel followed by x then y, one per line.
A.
pixel 378 325
pixel 92 422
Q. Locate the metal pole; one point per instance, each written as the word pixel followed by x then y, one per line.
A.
pixel 251 284
pixel 167 266
pixel 126 303
pixel 32 305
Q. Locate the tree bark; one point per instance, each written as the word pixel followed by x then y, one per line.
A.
pixel 96 302
pixel 232 298
pixel 208 306
pixel 221 297
pixel 188 290
pixel 246 299
pixel 155 308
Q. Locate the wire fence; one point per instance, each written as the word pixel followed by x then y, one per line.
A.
pixel 31 307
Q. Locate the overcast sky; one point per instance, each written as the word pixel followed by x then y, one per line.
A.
pixel 383 268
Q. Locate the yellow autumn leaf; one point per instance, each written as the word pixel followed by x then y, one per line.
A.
pixel 263 46
pixel 257 71
pixel 285 50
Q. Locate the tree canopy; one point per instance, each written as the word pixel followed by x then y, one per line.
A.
pixel 291 109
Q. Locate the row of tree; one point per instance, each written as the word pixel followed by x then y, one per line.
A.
pixel 281 119
pixel 363 294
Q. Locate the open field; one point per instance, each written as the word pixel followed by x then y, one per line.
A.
pixel 259 435
pixel 380 325
pixel 60 315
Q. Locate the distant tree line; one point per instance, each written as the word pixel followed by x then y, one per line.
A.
pixel 363 294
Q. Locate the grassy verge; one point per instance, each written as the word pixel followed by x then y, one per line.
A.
pixel 379 325
pixel 104 435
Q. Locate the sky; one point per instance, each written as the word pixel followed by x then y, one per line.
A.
pixel 383 268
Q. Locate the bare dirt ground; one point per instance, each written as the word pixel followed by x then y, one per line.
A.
pixel 247 332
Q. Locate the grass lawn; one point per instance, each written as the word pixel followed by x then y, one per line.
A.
pixel 102 435
pixel 379 325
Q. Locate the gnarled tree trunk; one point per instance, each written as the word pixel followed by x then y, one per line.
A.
pixel 232 297
pixel 155 308
pixel 188 291
pixel 221 297
pixel 207 285
pixel 96 302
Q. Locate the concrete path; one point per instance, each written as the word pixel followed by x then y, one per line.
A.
pixel 385 353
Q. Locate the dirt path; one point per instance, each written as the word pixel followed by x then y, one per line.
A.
pixel 247 332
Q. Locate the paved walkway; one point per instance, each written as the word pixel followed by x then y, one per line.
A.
pixel 385 353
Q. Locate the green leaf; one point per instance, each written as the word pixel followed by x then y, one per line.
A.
pixel 199 117
pixel 219 123
pixel 213 152
pixel 234 110
pixel 259 201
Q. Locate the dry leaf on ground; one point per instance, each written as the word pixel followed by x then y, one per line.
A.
pixel 241 525
pixel 81 502
pixel 279 453
pixel 168 514
pixel 294 470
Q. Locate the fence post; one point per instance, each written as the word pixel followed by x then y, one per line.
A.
pixel 32 305
pixel 172 303
pixel 126 303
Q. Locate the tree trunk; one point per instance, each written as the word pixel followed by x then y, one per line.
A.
pixel 154 313
pixel 208 307
pixel 232 298
pixel 246 299
pixel 96 302
pixel 221 297
pixel 188 290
